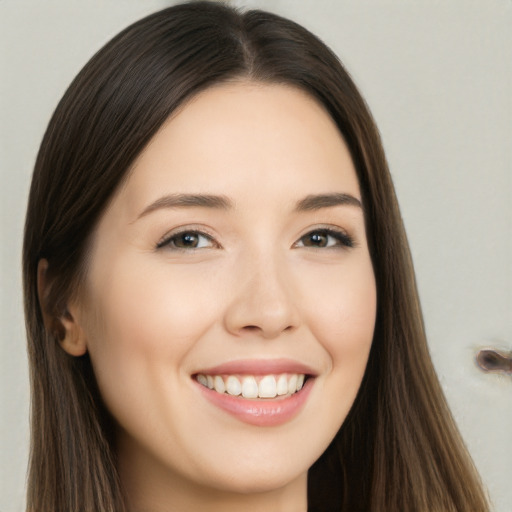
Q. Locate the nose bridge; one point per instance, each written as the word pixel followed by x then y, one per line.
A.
pixel 263 301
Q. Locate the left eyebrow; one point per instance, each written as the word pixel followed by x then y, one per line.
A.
pixel 319 201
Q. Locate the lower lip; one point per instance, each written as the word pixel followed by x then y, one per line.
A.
pixel 262 413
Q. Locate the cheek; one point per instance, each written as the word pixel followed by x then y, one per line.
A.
pixel 342 318
pixel 342 304
pixel 144 321
pixel 150 308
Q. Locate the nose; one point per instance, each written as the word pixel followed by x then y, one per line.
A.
pixel 263 303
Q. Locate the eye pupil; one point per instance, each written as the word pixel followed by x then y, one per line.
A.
pixel 317 240
pixel 187 240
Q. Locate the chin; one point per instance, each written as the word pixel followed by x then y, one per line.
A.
pixel 257 481
pixel 258 475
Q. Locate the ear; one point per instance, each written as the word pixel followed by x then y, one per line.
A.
pixel 64 327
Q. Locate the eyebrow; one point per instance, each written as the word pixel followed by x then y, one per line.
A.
pixel 189 201
pixel 319 201
pixel 309 203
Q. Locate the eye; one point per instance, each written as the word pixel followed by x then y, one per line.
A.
pixel 187 240
pixel 325 238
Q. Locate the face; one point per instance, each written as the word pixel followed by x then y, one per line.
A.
pixel 234 258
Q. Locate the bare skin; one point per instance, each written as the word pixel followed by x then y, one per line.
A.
pixel 237 240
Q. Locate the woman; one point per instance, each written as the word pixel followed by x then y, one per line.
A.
pixel 220 301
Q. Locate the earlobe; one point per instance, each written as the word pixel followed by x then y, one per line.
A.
pixel 65 326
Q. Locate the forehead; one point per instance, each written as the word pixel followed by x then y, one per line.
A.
pixel 242 137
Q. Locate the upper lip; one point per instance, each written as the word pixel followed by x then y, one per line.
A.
pixel 258 367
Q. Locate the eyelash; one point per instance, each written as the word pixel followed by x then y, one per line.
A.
pixel 343 240
pixel 170 240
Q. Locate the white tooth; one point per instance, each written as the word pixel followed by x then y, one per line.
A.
pixel 233 386
pixel 292 384
pixel 267 387
pixel 300 382
pixel 282 385
pixel 249 387
pixel 218 382
pixel 202 379
pixel 209 381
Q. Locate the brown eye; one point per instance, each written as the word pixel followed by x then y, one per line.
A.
pixel 187 240
pixel 316 240
pixel 325 238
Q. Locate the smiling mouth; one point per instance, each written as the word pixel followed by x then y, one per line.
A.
pixel 254 387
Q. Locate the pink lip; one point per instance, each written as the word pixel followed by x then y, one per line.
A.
pixel 258 367
pixel 261 413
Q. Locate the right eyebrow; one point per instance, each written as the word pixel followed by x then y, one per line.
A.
pixel 187 201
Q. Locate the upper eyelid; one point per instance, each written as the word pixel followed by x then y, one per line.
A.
pixel 186 229
pixel 326 227
pixel 202 230
pixel 331 230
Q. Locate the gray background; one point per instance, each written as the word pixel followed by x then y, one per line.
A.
pixel 438 78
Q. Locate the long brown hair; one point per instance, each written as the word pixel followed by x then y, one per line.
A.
pixel 399 449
